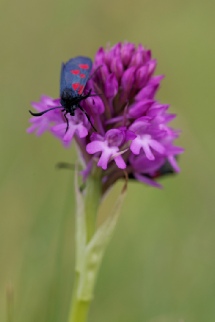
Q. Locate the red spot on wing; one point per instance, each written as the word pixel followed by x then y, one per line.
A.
pixel 76 86
pixel 82 75
pixel 84 66
pixel 81 88
pixel 74 71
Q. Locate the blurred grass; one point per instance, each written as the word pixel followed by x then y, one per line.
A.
pixel 160 265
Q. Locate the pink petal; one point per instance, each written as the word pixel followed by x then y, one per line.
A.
pixel 94 147
pixel 120 162
pixel 135 146
pixel 103 161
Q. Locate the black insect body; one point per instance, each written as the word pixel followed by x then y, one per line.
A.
pixel 74 76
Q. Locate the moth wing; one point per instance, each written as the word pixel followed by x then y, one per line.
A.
pixel 75 74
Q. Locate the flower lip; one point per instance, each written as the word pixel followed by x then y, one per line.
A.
pixel 108 146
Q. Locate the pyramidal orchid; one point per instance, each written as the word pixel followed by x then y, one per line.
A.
pixel 133 139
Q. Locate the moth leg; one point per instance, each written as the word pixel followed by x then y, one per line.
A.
pixel 87 117
pixel 67 122
pixel 87 95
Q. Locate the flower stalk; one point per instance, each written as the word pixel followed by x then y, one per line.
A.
pixel 92 200
pixel 91 242
pixel 79 309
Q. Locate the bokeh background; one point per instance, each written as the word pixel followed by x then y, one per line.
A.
pixel 160 265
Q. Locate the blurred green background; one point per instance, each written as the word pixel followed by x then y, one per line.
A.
pixel 160 265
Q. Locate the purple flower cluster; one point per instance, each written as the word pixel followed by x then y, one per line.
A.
pixel 132 126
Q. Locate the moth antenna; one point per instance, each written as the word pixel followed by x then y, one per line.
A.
pixel 95 71
pixel 41 113
pixel 100 94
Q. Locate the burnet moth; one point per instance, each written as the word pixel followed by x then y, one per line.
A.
pixel 74 76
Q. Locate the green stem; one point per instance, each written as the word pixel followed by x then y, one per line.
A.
pixel 79 309
pixel 79 306
pixel 92 200
pixel 91 242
